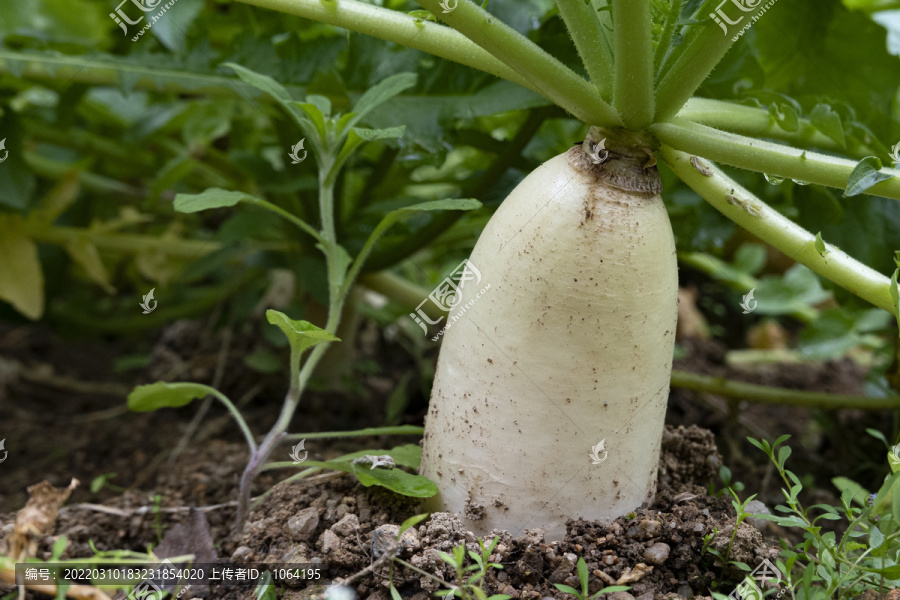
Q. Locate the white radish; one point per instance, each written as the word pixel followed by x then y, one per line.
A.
pixel 571 346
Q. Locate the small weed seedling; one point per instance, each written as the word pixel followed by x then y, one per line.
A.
pixel 826 565
pixel 728 483
pixel 583 578
pixel 469 589
pixel 468 577
pixel 740 509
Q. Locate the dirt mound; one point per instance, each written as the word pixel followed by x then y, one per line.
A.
pixel 657 550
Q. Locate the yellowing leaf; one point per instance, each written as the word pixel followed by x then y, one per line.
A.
pixel 84 252
pixel 21 278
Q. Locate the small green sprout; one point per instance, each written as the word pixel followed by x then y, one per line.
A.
pixel 583 577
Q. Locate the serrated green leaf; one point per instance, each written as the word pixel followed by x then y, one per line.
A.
pixel 301 335
pixel 865 174
pixel 785 116
pixel 146 398
pixel 381 93
pixel 826 120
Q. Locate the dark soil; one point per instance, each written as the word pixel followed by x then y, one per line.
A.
pixel 55 431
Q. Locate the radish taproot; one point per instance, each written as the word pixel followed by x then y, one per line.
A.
pixel 571 346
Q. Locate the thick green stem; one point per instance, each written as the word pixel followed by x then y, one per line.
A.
pixel 590 41
pixel 634 93
pixel 696 59
pixel 550 77
pixel 397 27
pixel 754 215
pixel 767 157
pixel 752 392
pixel 757 122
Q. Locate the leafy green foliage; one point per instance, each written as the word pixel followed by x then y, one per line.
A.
pixel 826 565
pixel 301 335
pixel 396 479
pixel 583 579
pixel 468 577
